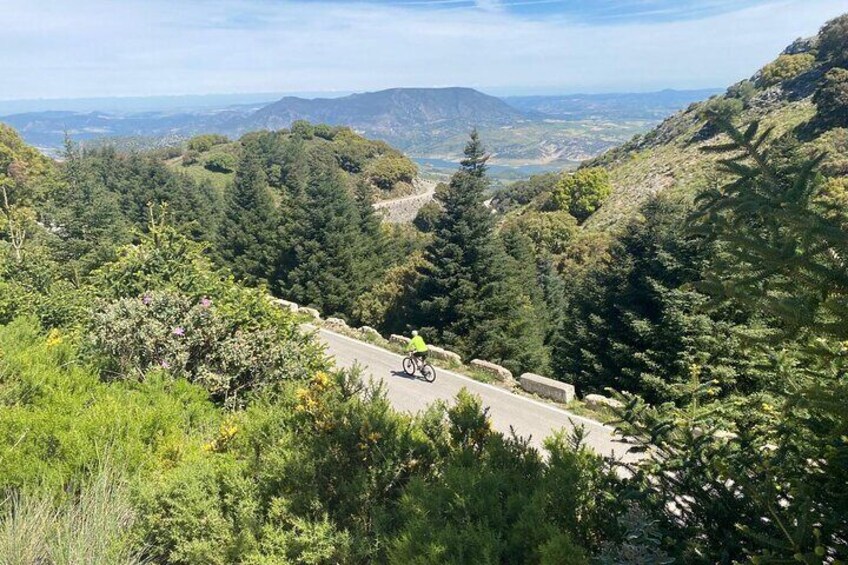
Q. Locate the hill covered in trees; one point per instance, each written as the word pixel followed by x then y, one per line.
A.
pixel 157 406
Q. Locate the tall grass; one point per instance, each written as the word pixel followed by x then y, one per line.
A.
pixel 88 526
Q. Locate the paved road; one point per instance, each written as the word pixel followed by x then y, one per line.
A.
pixel 526 416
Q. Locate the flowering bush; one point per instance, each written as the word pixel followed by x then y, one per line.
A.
pixel 196 340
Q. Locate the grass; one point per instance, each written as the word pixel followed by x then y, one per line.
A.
pixel 88 526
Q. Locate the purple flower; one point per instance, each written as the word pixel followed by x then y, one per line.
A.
pixel 164 364
pixel 146 299
pixel 206 302
pixel 179 331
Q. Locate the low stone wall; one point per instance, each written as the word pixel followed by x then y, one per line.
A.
pixel 501 373
pixel 547 388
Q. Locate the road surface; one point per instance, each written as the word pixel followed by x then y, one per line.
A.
pixel 529 418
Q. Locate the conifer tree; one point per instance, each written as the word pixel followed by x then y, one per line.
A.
pixel 468 297
pixel 330 254
pixel 248 236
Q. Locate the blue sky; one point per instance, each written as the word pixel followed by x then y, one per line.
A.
pixel 86 48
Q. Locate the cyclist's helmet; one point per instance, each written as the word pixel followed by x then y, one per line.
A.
pixel 414 333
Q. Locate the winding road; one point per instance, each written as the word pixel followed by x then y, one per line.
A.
pixel 528 417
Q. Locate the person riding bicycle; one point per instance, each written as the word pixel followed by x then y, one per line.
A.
pixel 417 346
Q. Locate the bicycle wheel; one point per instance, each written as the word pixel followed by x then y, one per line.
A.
pixel 409 366
pixel 428 372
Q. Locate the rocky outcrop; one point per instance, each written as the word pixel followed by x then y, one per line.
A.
pixel 601 401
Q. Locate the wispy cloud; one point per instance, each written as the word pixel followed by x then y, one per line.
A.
pixel 54 48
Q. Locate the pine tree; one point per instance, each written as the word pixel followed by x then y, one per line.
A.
pixel 330 254
pixel 248 236
pixel 469 297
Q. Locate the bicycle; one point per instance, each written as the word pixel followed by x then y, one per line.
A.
pixel 413 364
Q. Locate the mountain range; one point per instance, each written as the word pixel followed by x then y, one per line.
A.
pixel 426 123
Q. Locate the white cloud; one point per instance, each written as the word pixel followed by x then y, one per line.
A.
pixel 54 48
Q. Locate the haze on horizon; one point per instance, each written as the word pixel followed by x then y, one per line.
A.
pixel 100 48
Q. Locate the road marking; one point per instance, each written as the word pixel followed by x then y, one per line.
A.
pixel 487 385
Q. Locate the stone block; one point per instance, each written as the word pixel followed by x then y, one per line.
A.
pixel 501 373
pixel 547 388
pixel 310 312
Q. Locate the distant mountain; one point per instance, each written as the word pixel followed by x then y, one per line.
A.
pixel 427 123
pixel 621 106
pixel 396 114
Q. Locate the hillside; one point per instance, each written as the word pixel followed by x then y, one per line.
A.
pixel 670 158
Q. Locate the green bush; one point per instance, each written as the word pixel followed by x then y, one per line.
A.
pixel 425 219
pixel 221 162
pixel 786 67
pixel 192 340
pixel 551 232
pixel 58 418
pixel 205 142
pixel 390 169
pixel 582 192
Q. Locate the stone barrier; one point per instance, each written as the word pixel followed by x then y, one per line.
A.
pixel 368 331
pixel 310 312
pixel 445 355
pixel 336 323
pixel 501 373
pixel 399 339
pixel 548 388
pixel 598 400
pixel 292 306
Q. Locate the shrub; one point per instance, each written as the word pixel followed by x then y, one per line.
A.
pixel 786 67
pixel 205 142
pixel 201 512
pixel 190 157
pixel 831 98
pixel 582 192
pixel 192 340
pixel 302 129
pixel 390 169
pixel 221 163
pixel 721 108
pixel 551 232
pixel 57 417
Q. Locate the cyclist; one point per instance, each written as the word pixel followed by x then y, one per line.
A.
pixel 417 346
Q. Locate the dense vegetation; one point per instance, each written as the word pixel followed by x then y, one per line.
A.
pixel 157 407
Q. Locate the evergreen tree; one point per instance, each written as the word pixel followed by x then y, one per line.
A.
pixel 248 236
pixel 92 225
pixel 468 299
pixel 332 258
pixel 635 323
